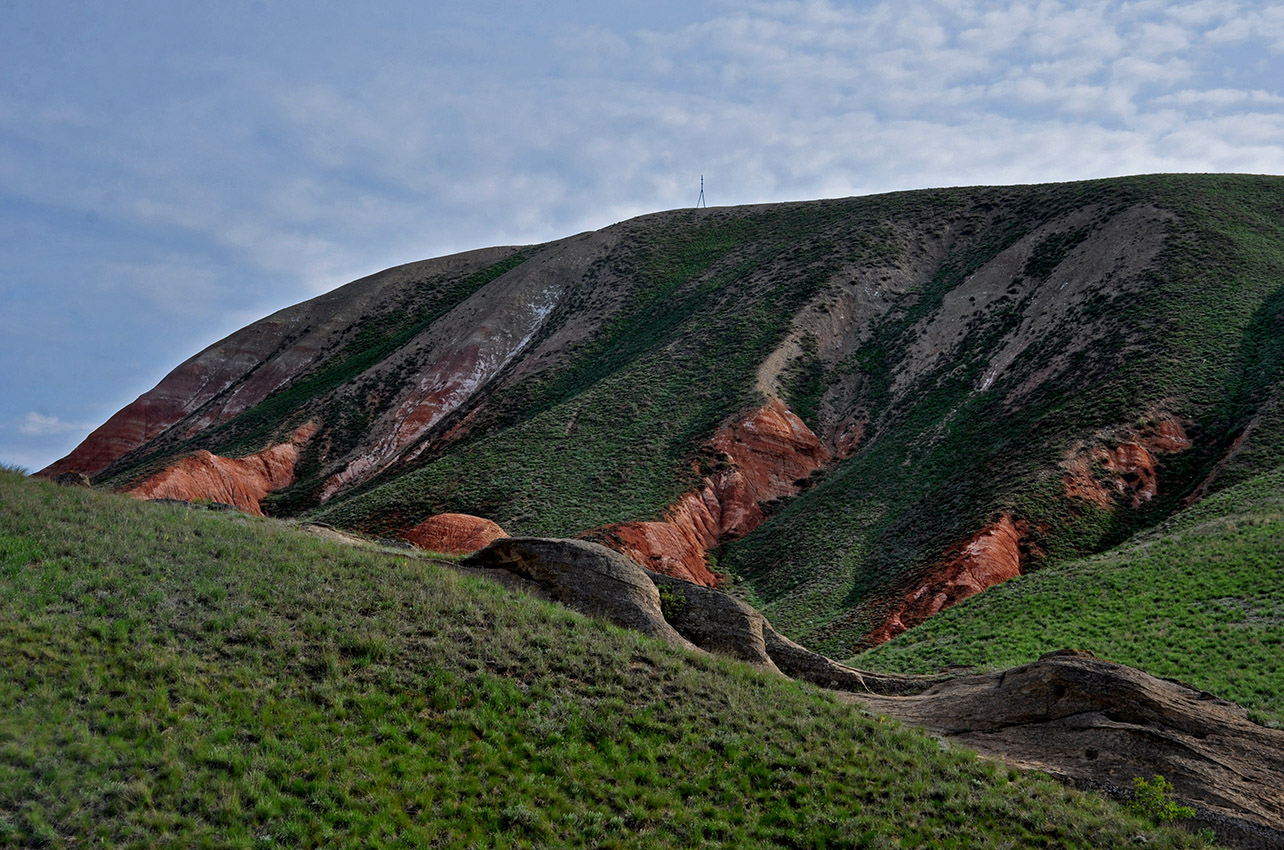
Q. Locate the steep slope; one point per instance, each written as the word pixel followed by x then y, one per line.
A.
pixel 980 383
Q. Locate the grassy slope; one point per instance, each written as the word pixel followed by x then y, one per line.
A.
pixel 712 295
pixel 613 434
pixel 1202 338
pixel 1200 598
pixel 181 678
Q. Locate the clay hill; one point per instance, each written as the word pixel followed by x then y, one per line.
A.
pixel 860 412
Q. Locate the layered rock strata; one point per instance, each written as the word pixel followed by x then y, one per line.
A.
pixel 761 456
pixel 1097 724
pixel 240 482
pixel 990 556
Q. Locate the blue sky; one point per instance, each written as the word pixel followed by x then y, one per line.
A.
pixel 169 174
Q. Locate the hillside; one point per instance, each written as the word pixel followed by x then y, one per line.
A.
pixel 1199 598
pixel 860 411
pixel 177 677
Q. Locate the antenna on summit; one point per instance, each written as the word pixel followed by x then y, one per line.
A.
pixel 701 202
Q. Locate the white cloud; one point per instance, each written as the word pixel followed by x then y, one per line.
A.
pixel 38 425
pixel 261 181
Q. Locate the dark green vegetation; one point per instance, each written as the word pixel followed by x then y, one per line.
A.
pixel 1198 334
pixel 1200 599
pixel 612 435
pixel 178 678
pixel 973 336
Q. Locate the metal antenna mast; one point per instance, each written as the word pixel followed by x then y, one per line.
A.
pixel 701 202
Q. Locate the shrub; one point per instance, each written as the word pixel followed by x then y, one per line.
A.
pixel 1153 800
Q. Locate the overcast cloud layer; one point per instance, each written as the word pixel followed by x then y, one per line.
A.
pixel 168 175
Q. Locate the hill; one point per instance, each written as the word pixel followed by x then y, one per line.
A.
pixel 177 678
pixel 1199 598
pixel 861 411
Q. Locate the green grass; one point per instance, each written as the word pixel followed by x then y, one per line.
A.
pixel 180 678
pixel 1201 336
pixel 691 302
pixel 1200 599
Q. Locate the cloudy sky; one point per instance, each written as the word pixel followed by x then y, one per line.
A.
pixel 169 173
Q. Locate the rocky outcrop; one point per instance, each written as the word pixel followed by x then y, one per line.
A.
pixel 714 621
pixel 1098 724
pixel 990 556
pixel 585 576
pixel 1122 467
pixel 240 482
pixel 600 582
pixel 761 457
pixel 455 534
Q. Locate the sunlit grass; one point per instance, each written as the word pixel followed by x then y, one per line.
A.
pixel 1200 599
pixel 179 678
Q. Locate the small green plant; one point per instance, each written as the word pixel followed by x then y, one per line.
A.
pixel 672 602
pixel 1154 800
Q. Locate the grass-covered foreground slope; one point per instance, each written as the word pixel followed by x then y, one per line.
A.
pixel 1200 598
pixel 178 678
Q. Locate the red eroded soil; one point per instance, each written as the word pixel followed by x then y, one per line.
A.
pixel 242 482
pixel 991 556
pixel 136 423
pixel 764 454
pixel 1104 473
pixel 455 534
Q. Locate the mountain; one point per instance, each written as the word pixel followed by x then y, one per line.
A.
pixel 859 412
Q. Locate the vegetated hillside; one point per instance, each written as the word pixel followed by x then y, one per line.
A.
pixel 1200 598
pixel 910 397
pixel 178 678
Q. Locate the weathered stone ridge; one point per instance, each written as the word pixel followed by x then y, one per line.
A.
pixel 1099 724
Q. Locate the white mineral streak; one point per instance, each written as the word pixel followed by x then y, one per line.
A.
pixel 461 367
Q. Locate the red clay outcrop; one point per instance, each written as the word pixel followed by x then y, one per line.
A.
pixel 991 556
pixel 139 421
pixel 455 534
pixel 241 482
pixel 1127 468
pixel 763 455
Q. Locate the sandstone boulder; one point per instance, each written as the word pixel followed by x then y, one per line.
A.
pixel 713 620
pixel 585 576
pixel 1098 724
pixel 719 623
pixel 455 534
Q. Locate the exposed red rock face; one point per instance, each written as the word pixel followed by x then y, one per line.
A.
pixel 991 556
pixel 242 482
pixel 188 388
pixel 1128 466
pixel 455 534
pixel 765 453
pixel 136 423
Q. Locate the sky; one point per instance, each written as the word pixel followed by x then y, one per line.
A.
pixel 170 172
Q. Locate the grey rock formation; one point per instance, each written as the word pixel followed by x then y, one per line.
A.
pixel 1098 724
pixel 585 576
